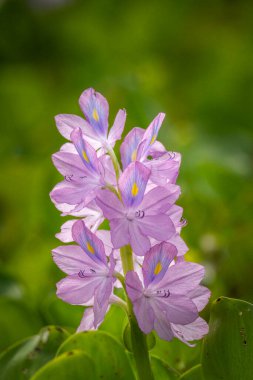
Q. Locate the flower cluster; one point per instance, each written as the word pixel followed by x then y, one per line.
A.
pixel 138 199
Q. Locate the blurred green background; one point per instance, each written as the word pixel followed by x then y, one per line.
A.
pixel 192 60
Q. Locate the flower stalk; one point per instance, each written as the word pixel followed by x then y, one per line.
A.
pixel 138 338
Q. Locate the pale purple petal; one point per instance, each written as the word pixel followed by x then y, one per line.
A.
pixel 140 243
pixel 86 152
pixel 150 136
pixel 128 149
pixel 109 204
pixel 179 308
pixel 89 242
pixel 69 165
pixel 66 232
pixel 182 278
pixel 77 291
pixel 157 261
pixel 144 314
pixel 96 110
pixel 132 184
pixel 71 259
pixel 158 226
pixel 73 193
pixel 101 299
pixel 133 286
pixel 200 296
pixel 119 232
pixel 160 199
pixel 67 123
pixel 193 331
pixel 87 322
pixel 179 243
pixel 117 128
pixel 162 326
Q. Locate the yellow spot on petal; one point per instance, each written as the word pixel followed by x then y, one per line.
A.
pixel 158 268
pixel 135 189
pixel 85 156
pixel 134 155
pixel 90 248
pixel 153 140
pixel 95 115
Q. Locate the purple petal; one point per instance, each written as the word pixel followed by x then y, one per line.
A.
pixel 73 193
pixel 87 322
pixel 76 290
pixel 162 326
pixel 179 243
pixel 67 123
pixel 158 226
pixel 163 170
pixel 86 152
pixel 200 296
pixel 192 331
pixel 160 199
pixel 133 286
pixel 140 243
pixel 128 149
pixel 179 309
pixel 101 299
pixel 132 184
pixel 119 232
pixel 150 136
pixel 89 242
pixel 71 259
pixel 96 110
pixel 157 261
pixel 117 128
pixel 144 314
pixel 109 204
pixel 66 232
pixel 182 278
pixel 69 165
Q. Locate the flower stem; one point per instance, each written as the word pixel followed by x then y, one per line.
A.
pixel 138 338
pixel 115 162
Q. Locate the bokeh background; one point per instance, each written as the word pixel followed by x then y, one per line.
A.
pixel 192 60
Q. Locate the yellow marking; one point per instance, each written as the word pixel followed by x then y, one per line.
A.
pixel 158 268
pixel 135 189
pixel 90 248
pixel 153 140
pixel 85 156
pixel 134 155
pixel 95 115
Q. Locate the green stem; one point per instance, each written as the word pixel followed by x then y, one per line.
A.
pixel 139 341
pixel 115 162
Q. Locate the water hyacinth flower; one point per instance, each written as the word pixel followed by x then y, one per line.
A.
pixel 138 216
pixel 95 128
pixel 143 251
pixel 165 299
pixel 90 277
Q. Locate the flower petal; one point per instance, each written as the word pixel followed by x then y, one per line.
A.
pixel 89 242
pixel 132 184
pixel 133 286
pixel 157 261
pixel 200 296
pixel 117 128
pixel 150 136
pixel 158 226
pixel 192 331
pixel 128 149
pixel 96 110
pixel 67 123
pixel 109 204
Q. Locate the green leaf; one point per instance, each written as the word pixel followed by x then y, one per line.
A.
pixel 17 321
pixel 22 360
pixel 162 371
pixel 194 373
pixel 228 348
pixel 74 364
pixel 108 354
pixel 127 339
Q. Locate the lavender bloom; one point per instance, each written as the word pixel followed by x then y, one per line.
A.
pixel 170 296
pixel 95 127
pixel 139 215
pixel 90 277
pixel 84 173
pixel 140 145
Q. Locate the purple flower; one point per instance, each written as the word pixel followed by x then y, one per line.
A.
pixel 84 173
pixel 165 301
pixel 95 127
pixel 90 277
pixel 140 145
pixel 138 216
